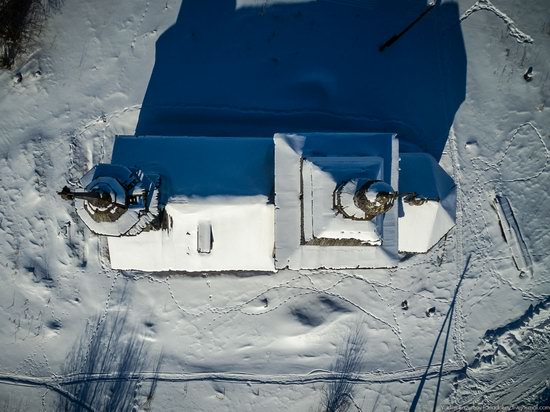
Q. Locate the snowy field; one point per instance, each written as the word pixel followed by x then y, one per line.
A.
pixel 77 335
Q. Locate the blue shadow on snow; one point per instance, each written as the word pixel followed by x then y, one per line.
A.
pixel 312 66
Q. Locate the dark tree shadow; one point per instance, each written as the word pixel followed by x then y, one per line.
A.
pixel 104 367
pixel 338 393
pixel 313 66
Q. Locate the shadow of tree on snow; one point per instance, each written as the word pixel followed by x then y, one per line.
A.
pixel 338 393
pixel 105 367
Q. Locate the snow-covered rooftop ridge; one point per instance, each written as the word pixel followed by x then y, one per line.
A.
pixel 318 163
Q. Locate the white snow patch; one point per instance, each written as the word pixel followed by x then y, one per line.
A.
pixel 241 237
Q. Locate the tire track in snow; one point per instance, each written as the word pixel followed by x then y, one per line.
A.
pixel 58 382
pixel 48 383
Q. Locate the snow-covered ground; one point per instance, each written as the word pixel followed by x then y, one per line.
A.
pixel 257 341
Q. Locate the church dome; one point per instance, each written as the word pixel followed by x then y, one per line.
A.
pixel 361 199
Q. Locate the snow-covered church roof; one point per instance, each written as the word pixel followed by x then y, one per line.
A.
pixel 302 201
pixel 422 226
pixel 218 208
pixel 309 168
